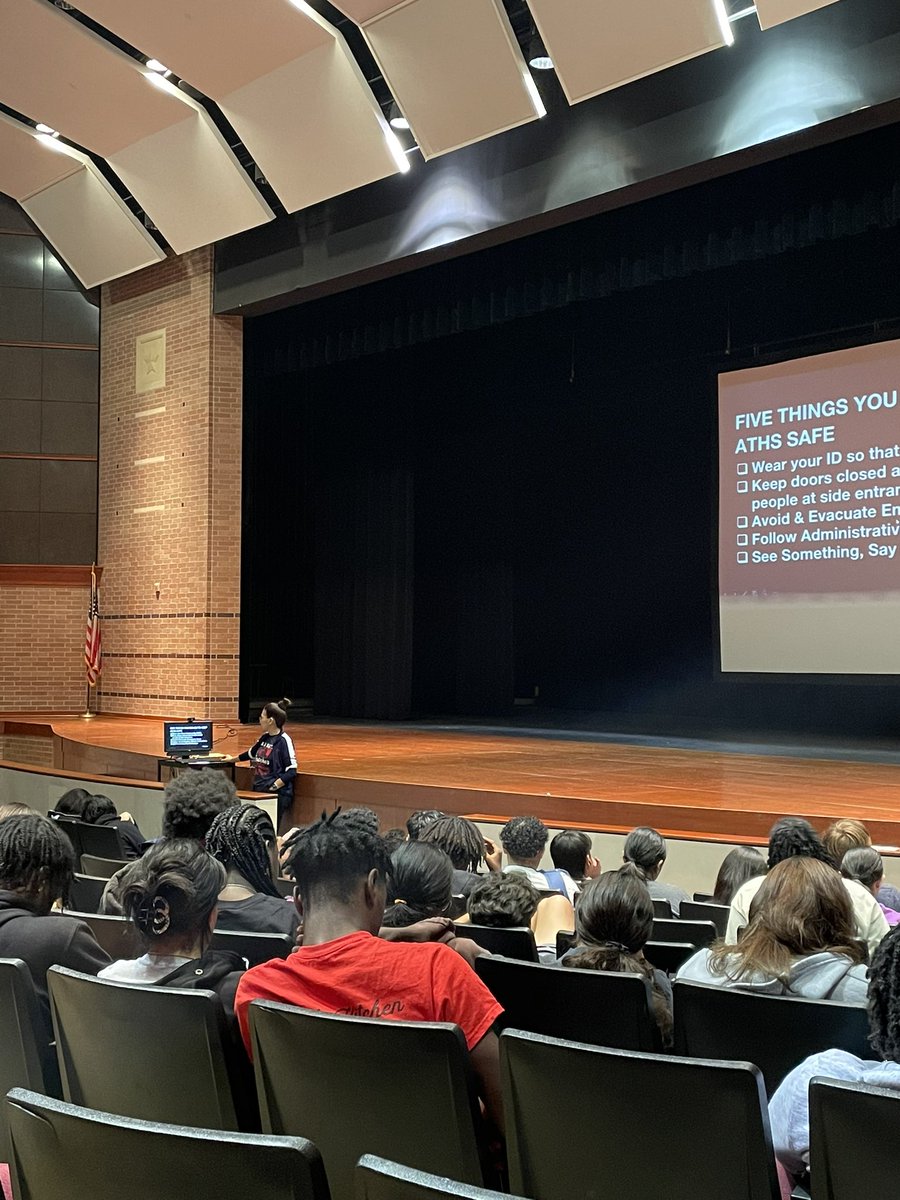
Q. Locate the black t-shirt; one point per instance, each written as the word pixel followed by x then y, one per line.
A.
pixel 258 914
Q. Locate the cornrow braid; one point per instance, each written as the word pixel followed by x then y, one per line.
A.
pixel 335 852
pixel 36 858
pixel 240 838
pixel 459 838
pixel 884 998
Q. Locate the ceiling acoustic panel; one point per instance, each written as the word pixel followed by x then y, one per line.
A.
pixel 80 214
pixel 455 68
pixel 598 45
pixel 776 12
pixel 283 77
pixel 164 147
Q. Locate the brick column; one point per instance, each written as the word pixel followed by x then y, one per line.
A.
pixel 170 494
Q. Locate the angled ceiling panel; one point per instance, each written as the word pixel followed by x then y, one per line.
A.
pixel 455 68
pixel 164 147
pixel 598 45
pixel 775 12
pixel 283 77
pixel 85 221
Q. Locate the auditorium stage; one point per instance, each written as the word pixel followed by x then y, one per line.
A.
pixel 689 790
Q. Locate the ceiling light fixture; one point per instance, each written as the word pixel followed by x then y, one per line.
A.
pixel 153 64
pixel 47 130
pixel 537 56
pixel 724 23
pixel 396 117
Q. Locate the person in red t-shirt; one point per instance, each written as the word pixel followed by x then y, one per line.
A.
pixel 341 868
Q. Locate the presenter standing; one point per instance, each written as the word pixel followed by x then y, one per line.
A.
pixel 272 755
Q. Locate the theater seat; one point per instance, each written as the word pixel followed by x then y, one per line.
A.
pixel 64 1152
pixel 401 1089
pixel 254 948
pixel 617 1125
pixel 698 933
pixel 85 892
pixel 774 1032
pixel 515 942
pixel 379 1179
pixel 604 1008
pixel 22 1063
pixel 145 1052
pixel 697 910
pixel 854 1151
pixel 101 868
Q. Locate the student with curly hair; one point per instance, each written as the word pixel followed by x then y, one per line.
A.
pixel 789 1106
pixel 800 940
pixel 794 837
pixel 417 822
pixel 341 868
pixel 243 840
pixel 509 900
pixel 524 839
pixel 613 921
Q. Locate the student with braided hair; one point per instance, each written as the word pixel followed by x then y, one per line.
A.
pixel 36 866
pixel 242 839
pixel 341 868
pixel 465 845
pixel 789 1107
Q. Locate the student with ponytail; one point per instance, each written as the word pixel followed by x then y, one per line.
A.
pixel 272 755
pixel 419 885
pixel 613 921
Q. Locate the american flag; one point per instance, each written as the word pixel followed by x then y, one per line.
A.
pixel 93 657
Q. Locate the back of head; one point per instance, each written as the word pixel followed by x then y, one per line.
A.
pixel 569 851
pixel 418 822
pixel 15 808
pixel 420 884
pixel 645 848
pixel 524 837
pixel 459 838
pixel 613 921
pixel 170 892
pixel 36 860
pixel 393 839
pixel 884 997
pixel 331 857
pixel 841 836
pixel 98 807
pixel 193 799
pixel 864 864
pixel 242 839
pixel 802 908
pixel 794 837
pixel 72 802
pixel 503 900
pixel 737 867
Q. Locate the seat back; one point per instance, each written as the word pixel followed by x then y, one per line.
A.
pixel 854 1152
pixel 61 1151
pixel 401 1089
pixel 698 933
pixel 565 940
pixel 668 956
pixel 515 942
pixel 85 892
pixel 604 1008
pixel 662 909
pixel 254 948
pixel 71 827
pixel 145 1052
pixel 116 935
pixel 103 841
pixel 379 1179
pixel 21 1059
pixel 714 1141
pixel 702 910
pixel 101 868
pixel 775 1032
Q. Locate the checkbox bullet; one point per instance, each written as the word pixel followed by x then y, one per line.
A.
pixel 742 539
pixel 743 522
pixel 742 485
pixel 742 556
pixel 742 468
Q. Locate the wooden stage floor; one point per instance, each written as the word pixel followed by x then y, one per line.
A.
pixel 598 785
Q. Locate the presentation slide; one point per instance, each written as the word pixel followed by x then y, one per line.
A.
pixel 809 514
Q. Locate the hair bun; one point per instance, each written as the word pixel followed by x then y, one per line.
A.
pixel 285 703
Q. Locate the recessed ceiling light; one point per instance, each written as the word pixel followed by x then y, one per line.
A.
pixel 153 64
pixel 538 58
pixel 396 117
pixel 48 130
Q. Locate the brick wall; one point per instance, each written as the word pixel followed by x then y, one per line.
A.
pixel 41 664
pixel 21 748
pixel 174 520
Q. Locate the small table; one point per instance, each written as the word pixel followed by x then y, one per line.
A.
pixel 168 768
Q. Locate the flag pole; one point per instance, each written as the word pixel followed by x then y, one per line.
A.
pixel 87 715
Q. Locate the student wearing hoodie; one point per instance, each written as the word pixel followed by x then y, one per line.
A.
pixel 800 941
pixel 789 1107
